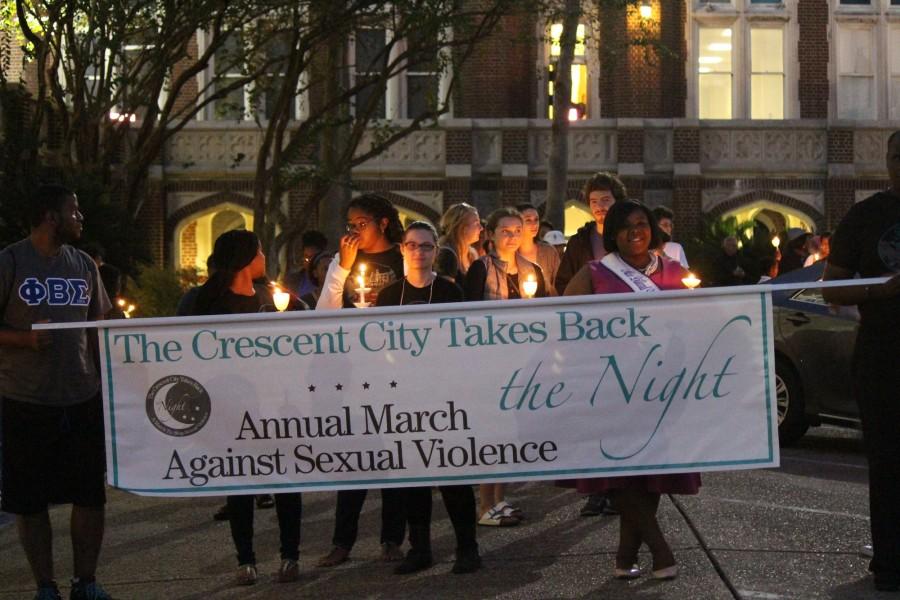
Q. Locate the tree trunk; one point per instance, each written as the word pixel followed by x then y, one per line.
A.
pixel 558 163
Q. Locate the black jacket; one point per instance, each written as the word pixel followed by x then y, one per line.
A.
pixel 578 253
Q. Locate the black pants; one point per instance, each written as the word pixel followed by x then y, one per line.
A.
pixel 289 508
pixel 346 517
pixel 460 503
pixel 877 386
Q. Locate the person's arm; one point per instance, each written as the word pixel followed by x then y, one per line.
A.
pixel 473 287
pixel 15 338
pixel 100 303
pixel 333 291
pixel 568 266
pixel 581 284
pixel 847 296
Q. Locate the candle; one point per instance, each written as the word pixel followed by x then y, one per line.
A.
pixel 690 281
pixel 530 286
pixel 776 241
pixel 281 298
pixel 362 286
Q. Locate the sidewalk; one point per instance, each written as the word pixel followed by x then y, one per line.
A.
pixel 787 533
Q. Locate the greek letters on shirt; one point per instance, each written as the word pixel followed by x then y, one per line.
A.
pixel 55 291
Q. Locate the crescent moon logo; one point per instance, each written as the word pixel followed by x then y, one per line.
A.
pixel 178 405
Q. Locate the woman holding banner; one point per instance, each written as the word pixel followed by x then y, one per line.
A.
pixel 239 260
pixel 422 286
pixel 629 236
pixel 502 275
pixel 369 260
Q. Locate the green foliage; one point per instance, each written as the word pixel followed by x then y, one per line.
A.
pixel 704 249
pixel 158 291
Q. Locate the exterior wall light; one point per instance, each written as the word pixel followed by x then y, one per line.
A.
pixel 646 9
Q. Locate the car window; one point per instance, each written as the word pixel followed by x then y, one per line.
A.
pixel 810 296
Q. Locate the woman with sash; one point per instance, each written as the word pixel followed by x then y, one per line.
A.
pixel 502 275
pixel 630 235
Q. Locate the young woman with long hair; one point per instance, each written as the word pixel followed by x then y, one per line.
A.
pixel 461 227
pixel 502 275
pixel 536 250
pixel 239 260
pixel 370 252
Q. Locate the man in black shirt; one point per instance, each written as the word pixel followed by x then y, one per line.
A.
pixel 867 242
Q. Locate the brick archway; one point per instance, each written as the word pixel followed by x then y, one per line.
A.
pixel 184 220
pixel 413 205
pixel 204 204
pixel 770 197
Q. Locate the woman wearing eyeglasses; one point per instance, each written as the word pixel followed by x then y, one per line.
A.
pixel 502 275
pixel 422 286
pixel 373 236
pixel 369 250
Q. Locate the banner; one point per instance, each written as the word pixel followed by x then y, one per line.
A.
pixel 555 388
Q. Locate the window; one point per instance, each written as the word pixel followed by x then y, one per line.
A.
pixel 766 73
pixel 865 60
pixel 579 95
pixel 715 72
pixel 855 72
pixel 227 66
pixel 251 100
pixel 741 66
pixel 418 86
pixel 370 60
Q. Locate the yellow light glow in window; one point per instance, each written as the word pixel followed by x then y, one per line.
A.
pixel 556 34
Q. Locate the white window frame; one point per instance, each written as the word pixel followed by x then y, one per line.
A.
pixel 115 113
pixel 396 87
pixel 591 60
pixel 301 100
pixel 741 16
pixel 884 20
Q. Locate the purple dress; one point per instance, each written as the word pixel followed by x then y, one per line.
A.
pixel 667 277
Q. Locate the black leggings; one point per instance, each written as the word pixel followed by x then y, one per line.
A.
pixel 460 503
pixel 289 508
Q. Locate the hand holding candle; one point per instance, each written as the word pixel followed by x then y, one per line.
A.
pixel 281 298
pixel 691 281
pixel 529 286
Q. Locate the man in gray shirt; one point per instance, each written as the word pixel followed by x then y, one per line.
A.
pixel 52 424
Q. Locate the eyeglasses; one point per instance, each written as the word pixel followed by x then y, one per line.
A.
pixel 358 226
pixel 412 247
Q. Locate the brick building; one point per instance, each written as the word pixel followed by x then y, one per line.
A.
pixel 773 110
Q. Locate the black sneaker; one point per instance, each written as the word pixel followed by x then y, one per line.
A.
pixel 466 562
pixel 88 590
pixel 48 592
pixel 221 514
pixel 414 562
pixel 595 506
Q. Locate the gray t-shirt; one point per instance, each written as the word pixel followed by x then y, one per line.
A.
pixel 61 288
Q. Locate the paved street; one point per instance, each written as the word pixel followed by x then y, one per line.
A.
pixel 787 533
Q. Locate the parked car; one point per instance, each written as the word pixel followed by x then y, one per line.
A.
pixel 813 349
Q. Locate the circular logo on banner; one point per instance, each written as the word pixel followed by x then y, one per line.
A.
pixel 889 248
pixel 178 405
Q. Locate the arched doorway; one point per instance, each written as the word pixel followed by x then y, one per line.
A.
pixel 772 217
pixel 575 215
pixel 195 235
